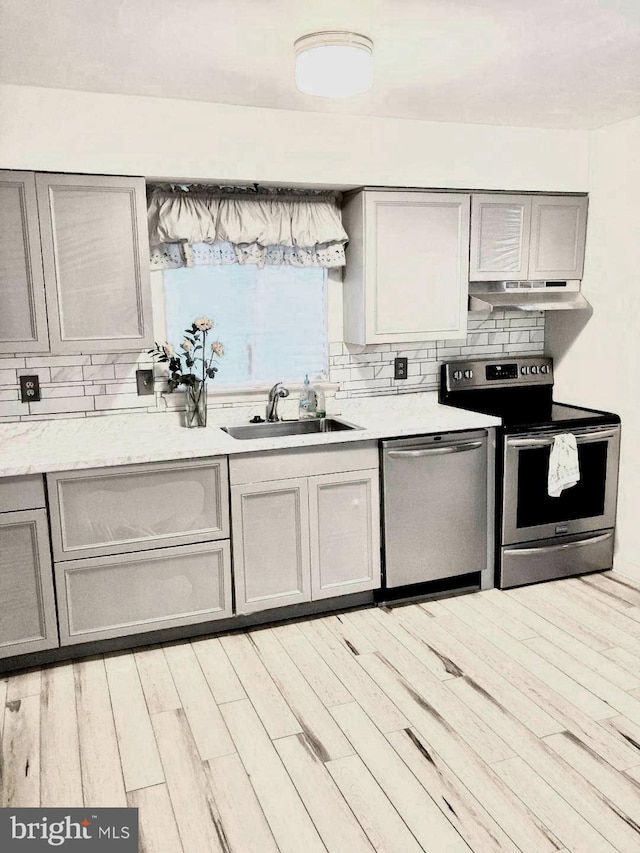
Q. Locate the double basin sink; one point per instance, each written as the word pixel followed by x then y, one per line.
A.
pixel 277 429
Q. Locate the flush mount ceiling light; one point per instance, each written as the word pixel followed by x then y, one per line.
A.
pixel 334 64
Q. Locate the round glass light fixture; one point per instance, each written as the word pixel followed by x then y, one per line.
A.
pixel 334 64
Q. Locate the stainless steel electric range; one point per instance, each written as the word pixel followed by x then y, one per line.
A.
pixel 539 537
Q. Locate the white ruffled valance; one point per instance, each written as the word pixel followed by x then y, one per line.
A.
pixel 191 227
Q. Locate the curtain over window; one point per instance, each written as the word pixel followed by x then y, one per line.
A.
pixel 190 226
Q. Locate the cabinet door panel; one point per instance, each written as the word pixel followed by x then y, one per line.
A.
pixel 28 616
pixel 135 507
pixel 23 317
pixel 270 544
pixel 500 230
pixel 96 262
pixel 416 266
pixel 132 593
pixel 558 232
pixel 345 533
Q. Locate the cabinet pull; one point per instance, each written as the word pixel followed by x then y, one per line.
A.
pixel 435 451
pixel 547 549
pixel 547 442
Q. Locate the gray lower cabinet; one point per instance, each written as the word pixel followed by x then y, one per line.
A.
pixel 28 613
pixel 104 597
pixel 304 538
pixel 106 511
pixel 344 532
pixel 271 559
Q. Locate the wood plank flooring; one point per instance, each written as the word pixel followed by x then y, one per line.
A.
pixel 495 721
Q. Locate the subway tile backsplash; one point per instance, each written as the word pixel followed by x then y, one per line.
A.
pixel 368 371
pixel 93 385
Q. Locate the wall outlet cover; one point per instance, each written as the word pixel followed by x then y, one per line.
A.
pixel 400 368
pixel 29 389
pixel 144 382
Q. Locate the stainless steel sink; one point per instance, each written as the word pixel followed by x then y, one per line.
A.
pixel 282 428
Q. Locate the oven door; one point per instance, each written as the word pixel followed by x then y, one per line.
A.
pixel 529 513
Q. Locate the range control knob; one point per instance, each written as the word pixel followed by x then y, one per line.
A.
pixel 468 374
pixel 534 368
pixel 457 374
pixel 524 370
pixel 544 368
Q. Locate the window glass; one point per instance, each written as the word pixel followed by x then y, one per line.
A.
pixel 272 321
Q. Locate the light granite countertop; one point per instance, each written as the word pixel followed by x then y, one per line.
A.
pixel 66 444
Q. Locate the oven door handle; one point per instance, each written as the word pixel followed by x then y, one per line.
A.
pixel 435 451
pixel 547 549
pixel 601 435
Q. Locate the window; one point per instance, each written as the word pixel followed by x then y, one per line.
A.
pixel 272 321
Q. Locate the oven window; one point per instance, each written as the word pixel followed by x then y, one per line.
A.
pixel 584 500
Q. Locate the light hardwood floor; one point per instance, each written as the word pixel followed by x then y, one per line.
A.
pixel 495 721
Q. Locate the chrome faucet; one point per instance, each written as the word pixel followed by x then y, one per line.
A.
pixel 275 394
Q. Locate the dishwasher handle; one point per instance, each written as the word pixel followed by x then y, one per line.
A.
pixel 434 451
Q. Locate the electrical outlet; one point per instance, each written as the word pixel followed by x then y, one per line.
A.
pixel 29 389
pixel 400 368
pixel 144 382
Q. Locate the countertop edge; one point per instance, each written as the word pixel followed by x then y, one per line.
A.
pixel 428 419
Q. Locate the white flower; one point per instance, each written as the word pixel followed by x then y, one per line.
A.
pixel 168 350
pixel 217 348
pixel 203 323
pixel 186 345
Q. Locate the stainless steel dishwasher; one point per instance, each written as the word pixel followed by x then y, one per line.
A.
pixel 435 498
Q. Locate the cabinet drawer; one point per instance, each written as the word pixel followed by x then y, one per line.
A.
pixel 21 492
pixel 134 507
pixel 302 462
pixel 106 597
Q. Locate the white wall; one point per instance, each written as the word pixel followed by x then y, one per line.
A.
pixel 598 362
pixel 61 130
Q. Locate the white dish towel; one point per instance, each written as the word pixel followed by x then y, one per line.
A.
pixel 564 470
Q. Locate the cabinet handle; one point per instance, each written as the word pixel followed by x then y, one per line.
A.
pixel 547 549
pixel 435 451
pixel 547 442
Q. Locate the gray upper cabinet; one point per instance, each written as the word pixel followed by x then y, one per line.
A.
pixel 407 271
pixel 500 228
pixel 28 614
pixel 96 262
pixel 519 237
pixel 23 316
pixel 558 234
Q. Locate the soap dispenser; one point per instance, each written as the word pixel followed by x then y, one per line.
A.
pixel 307 400
pixel 321 406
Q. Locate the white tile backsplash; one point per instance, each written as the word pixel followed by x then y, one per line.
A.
pixel 498 334
pixel 100 371
pixel 7 377
pixel 95 385
pixel 66 374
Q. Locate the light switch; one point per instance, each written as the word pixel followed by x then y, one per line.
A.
pixel 144 382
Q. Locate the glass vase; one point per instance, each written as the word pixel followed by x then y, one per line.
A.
pixel 196 411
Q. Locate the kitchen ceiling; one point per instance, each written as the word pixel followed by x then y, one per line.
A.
pixel 536 63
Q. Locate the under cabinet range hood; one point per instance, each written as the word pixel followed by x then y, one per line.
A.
pixel 526 296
